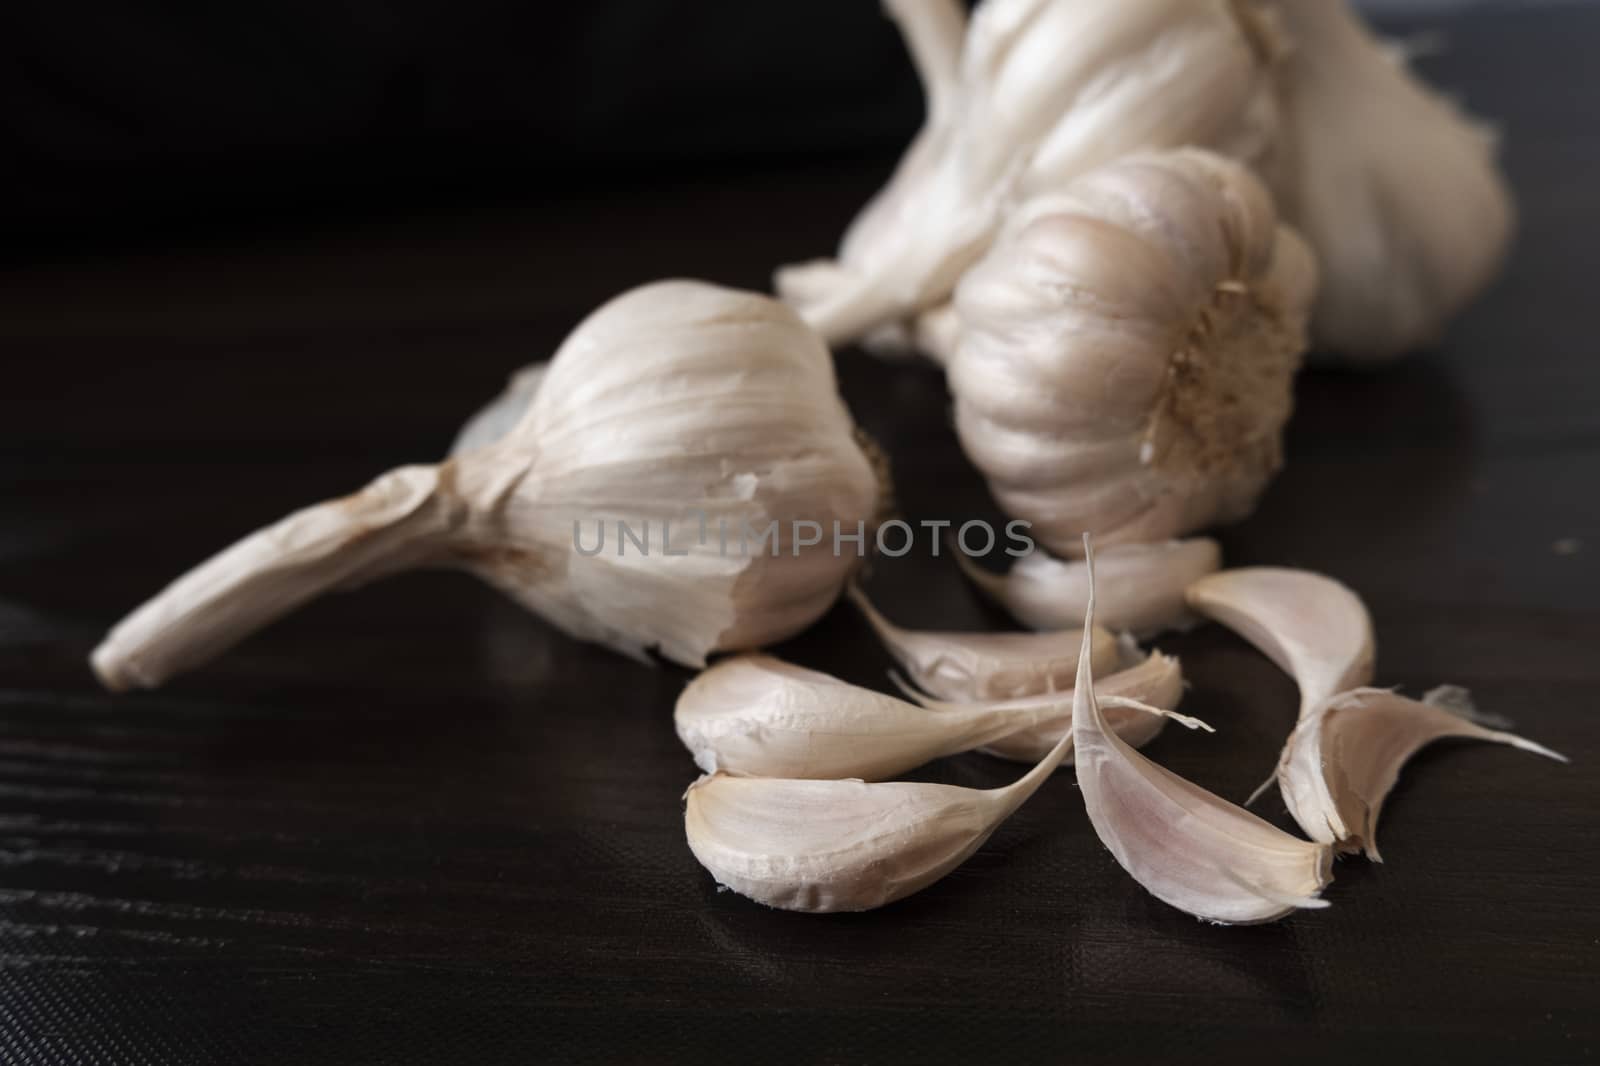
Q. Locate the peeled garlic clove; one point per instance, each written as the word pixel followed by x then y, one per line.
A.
pixel 1126 359
pixel 1342 760
pixel 1153 681
pixel 1315 629
pixel 843 845
pixel 1041 92
pixel 759 716
pixel 974 667
pixel 1141 586
pixel 676 408
pixel 1186 846
pixel 1395 188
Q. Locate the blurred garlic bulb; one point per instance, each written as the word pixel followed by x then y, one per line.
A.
pixel 1127 351
pixel 678 403
pixel 1185 845
pixel 1141 586
pixel 1035 93
pixel 974 667
pixel 1343 759
pixel 1396 189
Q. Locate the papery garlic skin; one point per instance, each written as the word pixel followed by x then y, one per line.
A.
pixel 759 716
pixel 1396 189
pixel 1185 845
pixel 1126 356
pixel 1344 758
pixel 1141 586
pixel 1041 92
pixel 975 667
pixel 1315 629
pixel 676 402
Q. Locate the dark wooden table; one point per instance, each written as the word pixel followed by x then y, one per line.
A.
pixel 413 824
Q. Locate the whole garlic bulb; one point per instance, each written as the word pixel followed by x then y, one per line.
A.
pixel 1394 187
pixel 1041 91
pixel 678 402
pixel 1127 351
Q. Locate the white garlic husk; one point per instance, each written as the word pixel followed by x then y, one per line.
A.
pixel 1127 351
pixel 1396 189
pixel 1040 92
pixel 674 404
pixel 1141 586
pixel 1344 758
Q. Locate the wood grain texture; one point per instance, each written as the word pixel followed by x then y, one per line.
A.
pixel 412 824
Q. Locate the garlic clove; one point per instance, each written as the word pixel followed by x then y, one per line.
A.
pixel 759 716
pixel 1396 189
pixel 500 416
pixel 1155 681
pixel 975 667
pixel 678 404
pixel 1126 356
pixel 1141 586
pixel 1315 629
pixel 1185 845
pixel 1342 760
pixel 843 845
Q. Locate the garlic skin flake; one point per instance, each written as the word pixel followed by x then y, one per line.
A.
pixel 976 667
pixel 1342 760
pixel 1140 685
pixel 1041 92
pixel 1141 586
pixel 827 846
pixel 1396 189
pixel 1126 355
pixel 1315 629
pixel 754 715
pixel 1185 845
pixel 674 403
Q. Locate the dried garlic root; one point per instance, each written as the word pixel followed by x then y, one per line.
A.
pixel 976 667
pixel 1185 845
pixel 678 402
pixel 1141 586
pixel 1343 759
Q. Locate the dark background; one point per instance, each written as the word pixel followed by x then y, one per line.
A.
pixel 256 254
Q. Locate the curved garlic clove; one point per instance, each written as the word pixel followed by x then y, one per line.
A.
pixel 975 667
pixel 1396 189
pixel 759 716
pixel 1126 358
pixel 1185 845
pixel 1343 759
pixel 1155 681
pixel 1042 92
pixel 843 845
pixel 677 404
pixel 1315 629
pixel 1140 592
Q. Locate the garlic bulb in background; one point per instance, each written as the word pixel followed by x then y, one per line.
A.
pixel 676 404
pixel 1127 351
pixel 1394 187
pixel 1040 92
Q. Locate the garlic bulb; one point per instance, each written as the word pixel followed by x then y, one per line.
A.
pixel 1141 586
pixel 759 716
pixel 1126 356
pixel 1185 845
pixel 1315 629
pixel 1344 758
pixel 1140 684
pixel 1040 92
pixel 843 845
pixel 679 409
pixel 973 667
pixel 1395 188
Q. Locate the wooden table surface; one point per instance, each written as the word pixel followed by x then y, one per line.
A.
pixel 414 824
